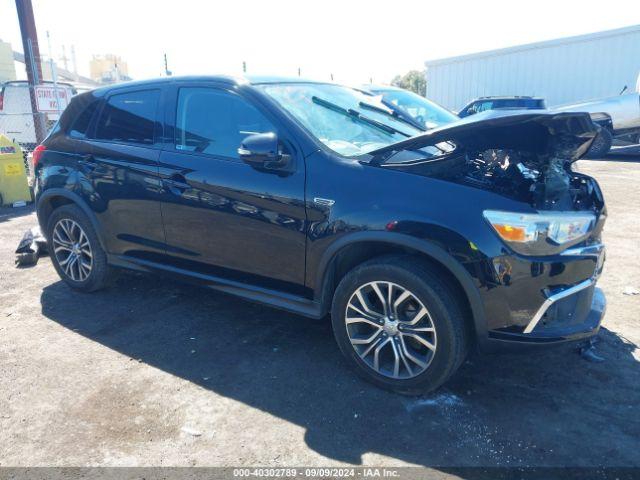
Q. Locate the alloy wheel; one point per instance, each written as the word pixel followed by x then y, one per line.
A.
pixel 72 249
pixel 390 329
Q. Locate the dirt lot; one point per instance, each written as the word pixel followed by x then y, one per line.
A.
pixel 154 372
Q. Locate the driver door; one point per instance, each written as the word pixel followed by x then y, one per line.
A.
pixel 221 216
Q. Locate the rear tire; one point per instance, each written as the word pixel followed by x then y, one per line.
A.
pixel 601 144
pixel 405 364
pixel 75 250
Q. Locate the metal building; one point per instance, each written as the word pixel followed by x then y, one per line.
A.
pixel 565 70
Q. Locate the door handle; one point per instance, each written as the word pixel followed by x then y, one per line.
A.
pixel 177 182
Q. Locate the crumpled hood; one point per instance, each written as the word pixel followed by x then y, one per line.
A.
pixel 566 135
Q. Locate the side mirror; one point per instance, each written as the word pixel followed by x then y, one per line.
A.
pixel 261 150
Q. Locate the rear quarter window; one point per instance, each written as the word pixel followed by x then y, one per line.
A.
pixel 129 117
pixel 80 125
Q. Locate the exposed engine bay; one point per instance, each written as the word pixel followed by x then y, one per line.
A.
pixel 526 158
pixel 546 185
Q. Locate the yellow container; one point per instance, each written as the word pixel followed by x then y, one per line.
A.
pixel 14 186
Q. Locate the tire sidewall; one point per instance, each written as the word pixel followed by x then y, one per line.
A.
pixel 442 315
pixel 94 279
pixel 601 144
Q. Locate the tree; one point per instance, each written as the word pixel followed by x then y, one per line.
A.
pixel 414 80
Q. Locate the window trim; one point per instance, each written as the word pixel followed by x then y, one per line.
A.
pixel 158 123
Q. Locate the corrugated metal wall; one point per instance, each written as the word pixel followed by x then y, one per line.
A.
pixel 562 71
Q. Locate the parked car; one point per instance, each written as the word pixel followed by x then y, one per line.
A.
pixel 483 104
pixel 16 112
pixel 313 198
pixel 618 117
pixel 411 106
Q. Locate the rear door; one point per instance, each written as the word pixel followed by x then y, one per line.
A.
pixel 120 160
pixel 223 217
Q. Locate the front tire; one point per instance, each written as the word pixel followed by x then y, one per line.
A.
pixel 75 250
pixel 399 325
pixel 601 144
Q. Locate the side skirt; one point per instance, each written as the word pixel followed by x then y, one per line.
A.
pixel 291 303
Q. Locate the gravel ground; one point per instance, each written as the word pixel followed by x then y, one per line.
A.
pixel 153 372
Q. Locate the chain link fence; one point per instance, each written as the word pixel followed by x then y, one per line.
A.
pixel 28 113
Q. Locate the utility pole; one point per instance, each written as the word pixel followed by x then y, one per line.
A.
pixel 116 70
pixel 74 63
pixel 54 75
pixel 167 72
pixel 32 61
pixel 63 58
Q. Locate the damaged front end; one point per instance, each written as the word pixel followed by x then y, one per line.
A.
pixel 523 156
pixel 542 287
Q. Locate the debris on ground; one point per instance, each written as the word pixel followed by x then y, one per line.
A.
pixel 588 352
pixel 32 245
pixel 191 431
pixel 630 291
pixel 440 400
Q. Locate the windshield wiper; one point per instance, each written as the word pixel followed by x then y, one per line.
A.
pixel 354 114
pixel 401 117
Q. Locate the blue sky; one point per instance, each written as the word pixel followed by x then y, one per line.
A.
pixel 351 39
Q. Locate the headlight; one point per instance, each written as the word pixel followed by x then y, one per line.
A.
pixel 543 233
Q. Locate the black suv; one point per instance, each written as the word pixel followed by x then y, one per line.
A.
pixel 314 198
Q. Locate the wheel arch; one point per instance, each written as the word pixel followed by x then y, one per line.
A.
pixel 54 198
pixel 349 252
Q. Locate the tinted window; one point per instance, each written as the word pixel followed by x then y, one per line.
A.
pixel 483 106
pixel 129 117
pixel 80 125
pixel 215 122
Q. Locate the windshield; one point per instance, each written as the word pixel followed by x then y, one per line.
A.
pixel 345 120
pixel 424 111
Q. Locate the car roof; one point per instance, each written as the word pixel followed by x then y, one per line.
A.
pixel 228 79
pixel 508 97
pixel 24 83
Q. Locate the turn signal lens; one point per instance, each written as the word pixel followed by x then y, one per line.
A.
pixel 511 233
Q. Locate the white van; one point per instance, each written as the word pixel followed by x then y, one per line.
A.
pixel 16 113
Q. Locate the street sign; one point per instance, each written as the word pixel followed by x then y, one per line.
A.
pixel 47 100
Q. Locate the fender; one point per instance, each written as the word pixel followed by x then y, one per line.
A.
pixel 76 199
pixel 426 247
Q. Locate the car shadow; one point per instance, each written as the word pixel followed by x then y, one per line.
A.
pixel 8 213
pixel 628 156
pixel 545 408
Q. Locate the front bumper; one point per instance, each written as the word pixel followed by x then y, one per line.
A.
pixel 572 327
pixel 544 302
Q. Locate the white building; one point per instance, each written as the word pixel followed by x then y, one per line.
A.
pixel 565 70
